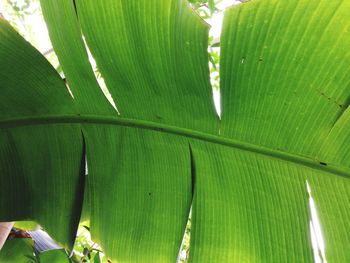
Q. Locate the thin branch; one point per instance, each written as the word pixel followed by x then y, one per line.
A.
pixel 88 252
pixel 48 52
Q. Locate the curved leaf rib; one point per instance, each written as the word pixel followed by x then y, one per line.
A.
pixel 187 133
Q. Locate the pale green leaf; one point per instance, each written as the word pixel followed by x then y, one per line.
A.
pixel 285 92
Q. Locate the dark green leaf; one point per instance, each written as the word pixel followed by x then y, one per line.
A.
pixel 97 258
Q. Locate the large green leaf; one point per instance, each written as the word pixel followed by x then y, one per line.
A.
pixel 285 86
pixel 284 73
pixel 18 250
pixel 40 154
pixel 21 250
pixel 285 94
pixel 55 255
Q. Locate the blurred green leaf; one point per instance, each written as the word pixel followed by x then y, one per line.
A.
pixel 97 258
pixel 211 5
pixel 18 250
pixel 54 256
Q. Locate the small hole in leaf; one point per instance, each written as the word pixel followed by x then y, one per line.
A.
pixel 322 163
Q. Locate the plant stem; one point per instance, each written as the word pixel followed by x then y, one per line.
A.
pixel 5 228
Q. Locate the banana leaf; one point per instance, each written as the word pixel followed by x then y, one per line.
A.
pixel 285 92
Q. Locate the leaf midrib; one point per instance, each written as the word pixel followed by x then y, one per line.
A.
pixel 194 134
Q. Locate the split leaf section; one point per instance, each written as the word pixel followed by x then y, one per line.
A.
pixel 284 74
pixel 40 165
